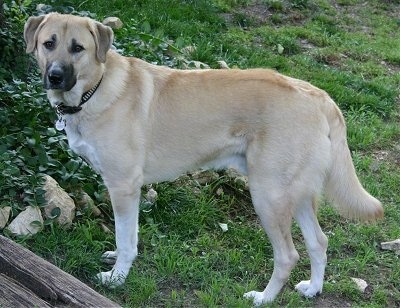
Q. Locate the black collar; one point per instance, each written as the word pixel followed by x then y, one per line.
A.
pixel 61 109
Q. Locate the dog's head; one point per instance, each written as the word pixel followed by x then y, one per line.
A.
pixel 70 50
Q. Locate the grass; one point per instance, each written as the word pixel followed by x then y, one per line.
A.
pixel 349 48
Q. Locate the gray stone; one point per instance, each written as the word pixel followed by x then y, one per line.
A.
pixel 105 228
pixel 205 176
pixel 392 245
pixel 4 216
pixel 361 284
pixel 84 202
pixel 113 22
pixel 28 222
pixel 151 196
pixel 57 197
pixel 223 65
pixel 237 178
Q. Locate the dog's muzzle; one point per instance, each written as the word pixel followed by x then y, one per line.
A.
pixel 59 76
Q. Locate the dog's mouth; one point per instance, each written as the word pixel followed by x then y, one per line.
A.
pixel 59 76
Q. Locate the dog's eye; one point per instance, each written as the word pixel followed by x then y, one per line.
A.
pixel 77 48
pixel 49 45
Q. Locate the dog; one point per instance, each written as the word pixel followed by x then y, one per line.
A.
pixel 138 123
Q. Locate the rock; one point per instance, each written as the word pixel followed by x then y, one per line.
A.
pixel 28 222
pixel 392 245
pixel 43 7
pixel 222 64
pixel 205 177
pixel 280 49
pixel 56 197
pixel 4 216
pixel 40 6
pixel 219 192
pixel 84 202
pixel 239 179
pixel 113 22
pixel 223 226
pixel 361 284
pixel 105 228
pixel 151 196
pixel 196 190
pixel 188 50
pixel 195 64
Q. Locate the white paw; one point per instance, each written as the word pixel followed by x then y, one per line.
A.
pixel 258 297
pixel 307 289
pixel 109 257
pixel 111 279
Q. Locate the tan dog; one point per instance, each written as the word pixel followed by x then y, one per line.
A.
pixel 138 123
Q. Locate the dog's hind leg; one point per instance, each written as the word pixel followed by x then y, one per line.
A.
pixel 274 210
pixel 316 243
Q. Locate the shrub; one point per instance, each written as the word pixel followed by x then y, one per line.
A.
pixel 29 144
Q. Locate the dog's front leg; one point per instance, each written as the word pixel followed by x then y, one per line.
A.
pixel 125 202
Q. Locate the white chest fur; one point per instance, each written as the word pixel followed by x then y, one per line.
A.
pixel 82 147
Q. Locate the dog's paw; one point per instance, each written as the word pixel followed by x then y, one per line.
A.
pixel 257 297
pixel 307 289
pixel 109 257
pixel 111 279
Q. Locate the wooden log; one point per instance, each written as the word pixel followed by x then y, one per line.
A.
pixel 13 294
pixel 45 279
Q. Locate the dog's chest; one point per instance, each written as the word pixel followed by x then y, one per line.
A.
pixel 78 143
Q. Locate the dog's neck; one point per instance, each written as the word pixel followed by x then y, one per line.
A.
pixel 62 109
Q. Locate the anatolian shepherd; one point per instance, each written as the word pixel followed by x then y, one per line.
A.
pixel 138 123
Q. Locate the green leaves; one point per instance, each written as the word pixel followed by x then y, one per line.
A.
pixel 29 144
pixel 141 41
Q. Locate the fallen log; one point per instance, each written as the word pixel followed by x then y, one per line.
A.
pixel 25 276
pixel 13 294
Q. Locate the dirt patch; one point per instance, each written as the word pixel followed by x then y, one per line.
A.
pixel 259 13
pixel 391 156
pixel 331 301
pixel 254 14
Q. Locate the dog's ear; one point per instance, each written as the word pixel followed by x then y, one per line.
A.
pixel 103 38
pixel 31 30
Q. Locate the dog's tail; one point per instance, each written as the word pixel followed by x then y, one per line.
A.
pixel 342 185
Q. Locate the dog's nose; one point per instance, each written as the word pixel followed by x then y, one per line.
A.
pixel 59 76
pixel 56 76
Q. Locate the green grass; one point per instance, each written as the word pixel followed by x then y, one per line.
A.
pixel 350 49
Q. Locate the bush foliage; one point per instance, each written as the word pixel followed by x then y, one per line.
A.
pixel 29 144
